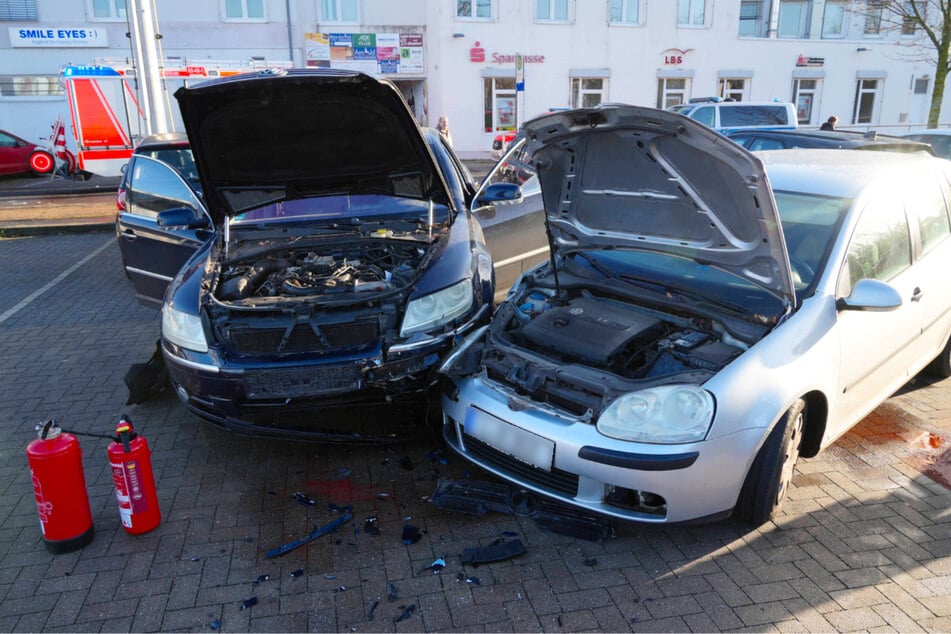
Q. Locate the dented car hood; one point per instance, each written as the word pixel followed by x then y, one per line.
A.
pixel 639 178
pixel 280 135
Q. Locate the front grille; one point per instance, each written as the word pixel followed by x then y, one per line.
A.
pixel 297 382
pixel 554 480
pixel 303 337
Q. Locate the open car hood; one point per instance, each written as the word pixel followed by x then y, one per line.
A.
pixel 639 178
pixel 279 135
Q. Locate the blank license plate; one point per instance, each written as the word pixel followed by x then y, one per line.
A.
pixel 509 439
pixel 310 381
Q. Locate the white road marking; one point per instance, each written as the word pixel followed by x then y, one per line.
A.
pixel 59 278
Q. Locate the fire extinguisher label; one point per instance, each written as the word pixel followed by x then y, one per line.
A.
pixel 129 490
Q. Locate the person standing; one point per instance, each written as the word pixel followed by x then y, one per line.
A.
pixel 442 127
pixel 830 123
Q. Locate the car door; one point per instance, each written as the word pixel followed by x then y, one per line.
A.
pixel 153 255
pixel 14 154
pixel 927 205
pixel 879 348
pixel 514 230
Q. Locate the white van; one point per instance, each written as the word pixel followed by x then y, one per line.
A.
pixel 726 116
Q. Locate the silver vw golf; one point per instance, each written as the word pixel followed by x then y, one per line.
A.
pixel 707 316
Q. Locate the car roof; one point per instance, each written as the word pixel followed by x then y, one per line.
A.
pixel 841 173
pixel 929 132
pixel 837 138
pixel 162 139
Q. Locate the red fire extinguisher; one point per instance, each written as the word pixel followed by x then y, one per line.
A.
pixel 131 463
pixel 56 466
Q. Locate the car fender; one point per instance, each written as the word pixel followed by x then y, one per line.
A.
pixel 453 260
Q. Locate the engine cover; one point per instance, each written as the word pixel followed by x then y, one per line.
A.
pixel 590 329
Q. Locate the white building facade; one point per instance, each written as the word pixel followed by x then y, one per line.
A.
pixel 458 57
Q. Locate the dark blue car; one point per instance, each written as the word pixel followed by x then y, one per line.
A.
pixel 330 262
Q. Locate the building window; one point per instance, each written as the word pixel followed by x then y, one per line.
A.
pixel 588 92
pixel 691 12
pixel 244 10
pixel 474 9
pixel 921 85
pixel 793 16
pixel 804 96
pixel 909 20
pixel 625 12
pixel 551 10
pixel 866 93
pixel 751 18
pixel 733 89
pixel 18 10
pixel 339 11
pixel 499 95
pixel 30 86
pixel 108 10
pixel 671 91
pixel 833 19
pixel 873 17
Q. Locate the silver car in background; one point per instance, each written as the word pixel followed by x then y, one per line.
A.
pixel 700 325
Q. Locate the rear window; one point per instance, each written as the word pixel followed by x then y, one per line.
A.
pixel 740 116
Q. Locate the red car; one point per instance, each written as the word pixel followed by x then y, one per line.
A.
pixel 18 156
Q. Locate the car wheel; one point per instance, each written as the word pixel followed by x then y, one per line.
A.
pixel 42 163
pixel 767 484
pixel 941 366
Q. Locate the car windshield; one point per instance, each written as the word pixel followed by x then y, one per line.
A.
pixel 351 208
pixel 940 142
pixel 810 224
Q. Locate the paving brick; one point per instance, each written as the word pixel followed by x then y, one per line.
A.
pixel 762 613
pixel 855 619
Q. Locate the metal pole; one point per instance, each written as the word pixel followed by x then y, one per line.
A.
pixel 141 86
pixel 149 67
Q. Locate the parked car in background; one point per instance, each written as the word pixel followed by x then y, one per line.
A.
pixel 500 143
pixel 725 116
pixel 19 156
pixel 700 326
pixel 755 140
pixel 939 139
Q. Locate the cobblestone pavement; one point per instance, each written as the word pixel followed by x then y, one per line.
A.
pixel 864 544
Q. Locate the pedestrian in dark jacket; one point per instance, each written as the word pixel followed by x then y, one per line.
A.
pixel 830 123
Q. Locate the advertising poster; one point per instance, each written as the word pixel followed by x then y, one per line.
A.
pixel 372 53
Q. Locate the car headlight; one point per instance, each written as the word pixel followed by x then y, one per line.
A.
pixel 665 415
pixel 436 309
pixel 183 329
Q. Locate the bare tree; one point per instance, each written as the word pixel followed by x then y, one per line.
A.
pixel 925 28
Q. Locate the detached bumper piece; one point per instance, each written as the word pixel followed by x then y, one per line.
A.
pixel 478 498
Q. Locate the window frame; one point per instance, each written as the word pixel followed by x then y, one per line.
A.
pixel 756 19
pixel 664 91
pixel 624 8
pixel 474 10
pixel 726 92
pixel 801 27
pixel 688 19
pixel 492 92
pixel 552 6
pixel 812 92
pixel 25 12
pixel 862 90
pixel 874 10
pixel 244 10
pixel 116 14
pixel 339 12
pixel 577 91
pixel 841 5
pixel 14 87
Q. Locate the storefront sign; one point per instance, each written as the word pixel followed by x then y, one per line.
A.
pixel 477 55
pixel 57 37
pixel 371 53
pixel 675 56
pixel 805 60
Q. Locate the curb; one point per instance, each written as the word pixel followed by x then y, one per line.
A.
pixel 26 230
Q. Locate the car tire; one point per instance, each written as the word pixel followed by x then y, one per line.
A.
pixel 940 367
pixel 42 163
pixel 767 483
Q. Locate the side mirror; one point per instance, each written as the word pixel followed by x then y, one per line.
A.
pixel 870 294
pixel 500 193
pixel 181 218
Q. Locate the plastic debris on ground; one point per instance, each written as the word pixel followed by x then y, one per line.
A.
pixel 370 526
pixel 341 473
pixel 297 573
pixel 215 624
pixel 437 456
pixel 259 580
pixel 407 612
pixel 411 534
pixel 478 498
pixel 317 532
pixel 249 603
pixel 499 550
pixel 372 609
pixel 303 500
pixel 339 508
pixel 436 566
pixel 391 592
pixel 471 580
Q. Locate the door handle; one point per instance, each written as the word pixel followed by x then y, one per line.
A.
pixel 917 294
pixel 129 235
